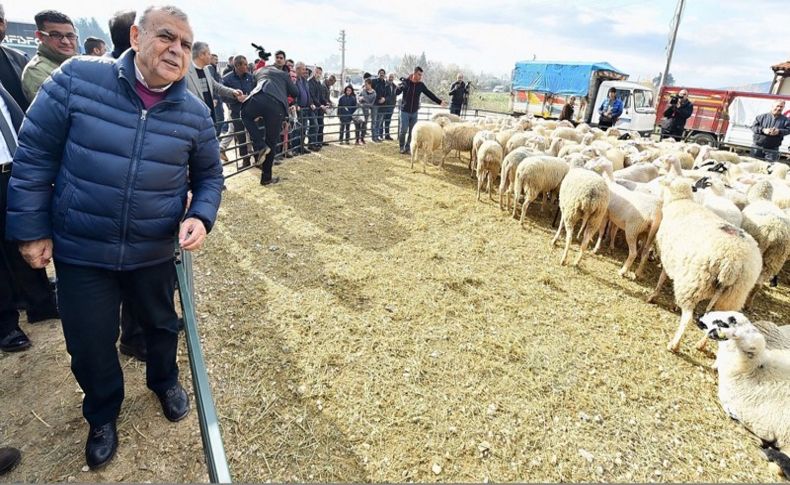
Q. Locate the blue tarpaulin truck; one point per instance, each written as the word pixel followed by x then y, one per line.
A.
pixel 542 88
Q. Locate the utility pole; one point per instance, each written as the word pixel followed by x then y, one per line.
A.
pixel 342 40
pixel 670 49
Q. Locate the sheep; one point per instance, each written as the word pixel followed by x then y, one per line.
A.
pixel 635 213
pixel 453 118
pixel 754 382
pixel 770 227
pixel 489 163
pixel 517 140
pixel 426 139
pixel 569 134
pixel 705 256
pixel 584 197
pixel 565 124
pixel 715 200
pixel 776 337
pixel 781 194
pixel 643 172
pixel 508 173
pixel 536 175
pixel 503 136
pixel 613 132
pixel 708 152
pixel 478 140
pixel 458 136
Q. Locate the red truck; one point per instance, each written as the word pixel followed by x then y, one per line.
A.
pixel 723 118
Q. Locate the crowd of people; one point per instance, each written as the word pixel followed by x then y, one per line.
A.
pixel 98 181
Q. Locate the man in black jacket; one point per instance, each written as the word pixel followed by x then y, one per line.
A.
pixel 412 87
pixel 269 100
pixel 459 91
pixel 376 111
pixel 316 118
pixel 17 278
pixel 390 98
pixel 12 62
pixel 769 129
pixel 675 116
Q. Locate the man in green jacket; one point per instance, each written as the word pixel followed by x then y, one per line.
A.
pixel 58 42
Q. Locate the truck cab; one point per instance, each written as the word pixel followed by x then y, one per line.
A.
pixel 639 112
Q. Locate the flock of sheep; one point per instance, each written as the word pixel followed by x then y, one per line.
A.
pixel 718 222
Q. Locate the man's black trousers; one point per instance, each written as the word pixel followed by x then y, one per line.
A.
pixel 90 300
pixel 273 114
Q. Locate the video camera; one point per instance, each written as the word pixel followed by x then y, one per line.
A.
pixel 262 54
pixel 674 99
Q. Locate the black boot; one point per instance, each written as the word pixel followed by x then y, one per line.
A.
pixel 101 446
pixel 175 403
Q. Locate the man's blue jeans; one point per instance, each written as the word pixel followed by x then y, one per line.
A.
pixel 407 121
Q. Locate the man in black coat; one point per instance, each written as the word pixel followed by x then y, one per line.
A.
pixel 377 110
pixel 675 116
pixel 459 91
pixel 12 62
pixel 268 100
pixel 316 118
pixel 769 129
pixel 16 276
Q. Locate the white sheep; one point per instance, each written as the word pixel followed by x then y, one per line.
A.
pixel 425 141
pixel 754 382
pixel 711 194
pixel 770 227
pixel 584 196
pixel 708 152
pixel 507 174
pixel 534 176
pixel 641 172
pixel 636 213
pixel 452 118
pixel 566 133
pixel 705 257
pixel 458 136
pixel 503 136
pixel 478 140
pixel 489 164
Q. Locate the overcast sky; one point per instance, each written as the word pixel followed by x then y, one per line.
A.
pixel 720 42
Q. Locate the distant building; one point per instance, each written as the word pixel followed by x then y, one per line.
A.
pixel 781 82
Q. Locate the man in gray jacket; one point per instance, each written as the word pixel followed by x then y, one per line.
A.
pixel 201 83
pixel 769 129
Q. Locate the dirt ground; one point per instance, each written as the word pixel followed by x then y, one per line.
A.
pixel 363 321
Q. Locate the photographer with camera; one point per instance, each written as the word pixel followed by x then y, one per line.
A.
pixel 263 56
pixel 675 116
pixel 459 95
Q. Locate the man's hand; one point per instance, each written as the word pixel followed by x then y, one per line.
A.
pixel 443 104
pixel 192 234
pixel 37 253
pixel 767 131
pixel 239 95
pixel 381 100
pixel 312 106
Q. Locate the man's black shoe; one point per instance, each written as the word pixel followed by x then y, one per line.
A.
pixel 388 138
pixel 39 316
pixel 274 180
pixel 175 403
pixel 101 446
pixel 9 459
pixel 402 151
pixel 138 352
pixel 15 341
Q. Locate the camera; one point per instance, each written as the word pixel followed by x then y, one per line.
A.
pixel 262 54
pixel 673 100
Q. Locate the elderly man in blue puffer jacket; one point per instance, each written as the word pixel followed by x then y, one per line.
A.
pixel 106 157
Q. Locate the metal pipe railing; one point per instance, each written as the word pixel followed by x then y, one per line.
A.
pixel 213 447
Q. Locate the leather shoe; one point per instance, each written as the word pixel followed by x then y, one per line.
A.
pixel 138 352
pixel 15 341
pixel 274 180
pixel 101 446
pixel 175 403
pixel 9 459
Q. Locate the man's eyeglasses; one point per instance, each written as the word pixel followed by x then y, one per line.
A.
pixel 71 36
pixel 279 57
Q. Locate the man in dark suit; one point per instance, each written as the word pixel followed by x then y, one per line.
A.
pixel 16 276
pixel 11 64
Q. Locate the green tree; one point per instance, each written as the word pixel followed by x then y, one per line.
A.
pixel 670 80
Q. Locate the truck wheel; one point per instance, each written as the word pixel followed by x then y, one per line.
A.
pixel 704 139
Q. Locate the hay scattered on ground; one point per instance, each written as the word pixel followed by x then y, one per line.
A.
pixel 366 322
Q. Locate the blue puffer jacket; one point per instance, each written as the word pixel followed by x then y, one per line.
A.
pixel 120 173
